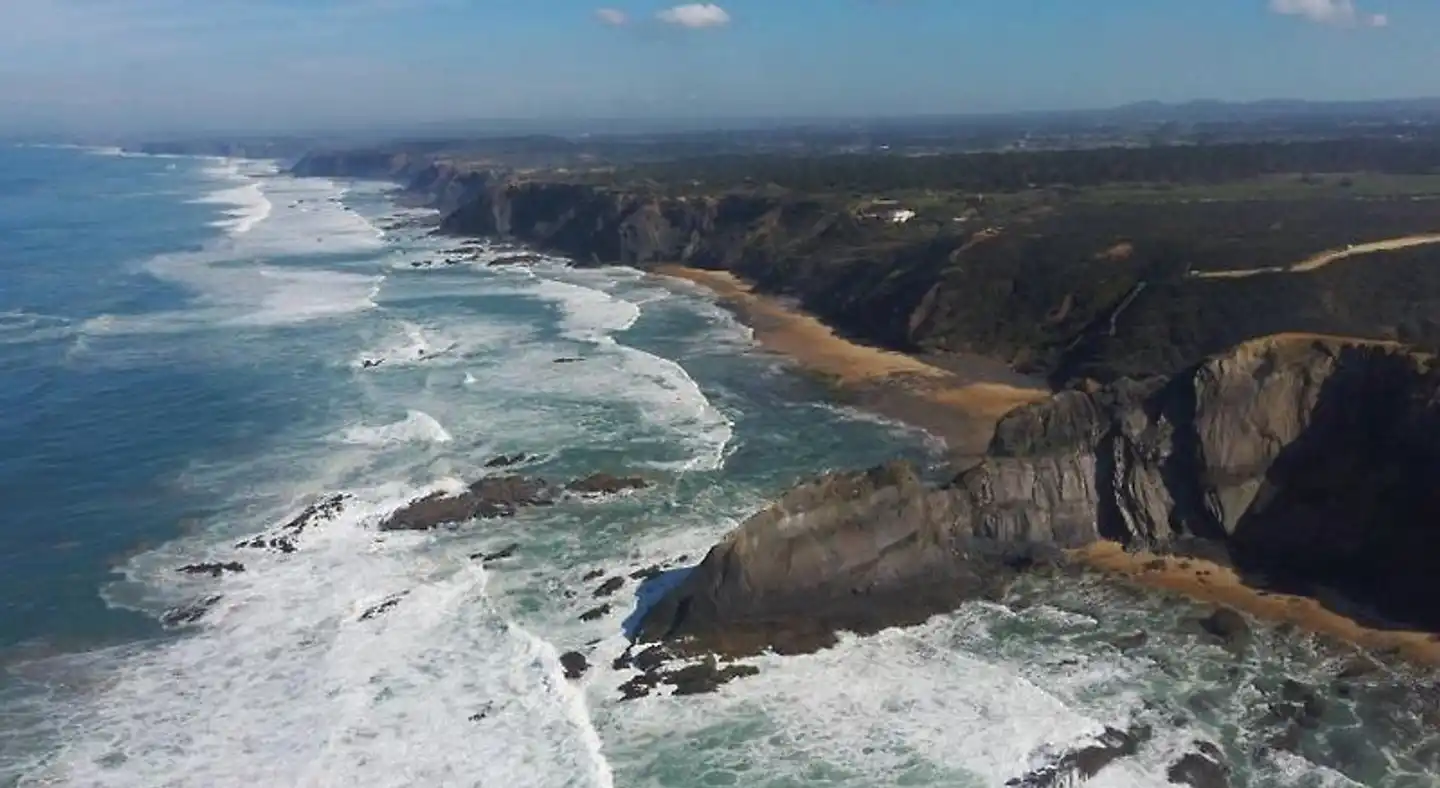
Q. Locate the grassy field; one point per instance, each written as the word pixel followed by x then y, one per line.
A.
pixel 1328 186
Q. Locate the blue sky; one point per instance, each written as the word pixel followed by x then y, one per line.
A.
pixel 155 64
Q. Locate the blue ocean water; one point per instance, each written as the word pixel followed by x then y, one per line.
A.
pixel 187 358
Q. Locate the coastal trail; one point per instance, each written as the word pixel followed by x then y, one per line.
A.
pixel 1323 259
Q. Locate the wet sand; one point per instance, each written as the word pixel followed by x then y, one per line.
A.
pixel 1209 582
pixel 959 403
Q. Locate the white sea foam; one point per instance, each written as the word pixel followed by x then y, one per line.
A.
pixel 417 426
pixel 19 327
pixel 588 314
pixel 665 394
pixel 409 344
pixel 232 283
pixel 873 709
pixel 249 205
pixel 285 684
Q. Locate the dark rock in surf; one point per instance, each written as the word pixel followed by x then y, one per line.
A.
pixel 1229 627
pixel 383 607
pixel 508 551
pixel 214 569
pixel 1077 766
pixel 593 574
pixel 515 259
pixel 639 686
pixel 485 499
pixel 1131 641
pixel 190 613
pixel 605 484
pixel 568 360
pixel 283 538
pixel 575 664
pixel 706 676
pixel 648 572
pixel 483 713
pixel 1202 769
pixel 651 659
pixel 595 614
pixel 507 460
pixel 609 587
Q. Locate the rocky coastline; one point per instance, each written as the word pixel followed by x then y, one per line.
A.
pixel 1297 462
pixel 1285 475
pixel 1300 462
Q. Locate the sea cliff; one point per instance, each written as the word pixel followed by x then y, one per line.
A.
pixel 1299 459
pixel 1306 463
pixel 1070 297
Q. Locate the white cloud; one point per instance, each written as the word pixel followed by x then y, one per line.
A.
pixel 695 16
pixel 613 17
pixel 1339 13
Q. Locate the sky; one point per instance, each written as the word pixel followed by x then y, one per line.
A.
pixel 89 66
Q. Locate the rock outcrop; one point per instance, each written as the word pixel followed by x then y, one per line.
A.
pixel 499 496
pixel 1305 461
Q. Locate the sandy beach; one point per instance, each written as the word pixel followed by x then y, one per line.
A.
pixel 962 407
pixel 959 405
pixel 1210 582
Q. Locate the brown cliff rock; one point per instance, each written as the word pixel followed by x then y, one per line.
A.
pixel 1305 460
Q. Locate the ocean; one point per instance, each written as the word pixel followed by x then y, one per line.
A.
pixel 188 353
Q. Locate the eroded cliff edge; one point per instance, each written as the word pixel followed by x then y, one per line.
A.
pixel 1308 462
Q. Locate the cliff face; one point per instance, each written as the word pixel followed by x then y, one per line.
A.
pixel 1309 461
pixel 367 164
pixel 1058 296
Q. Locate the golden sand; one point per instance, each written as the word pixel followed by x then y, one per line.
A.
pixel 800 336
pixel 916 389
pixel 1209 582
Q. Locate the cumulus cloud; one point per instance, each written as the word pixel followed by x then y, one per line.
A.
pixel 695 16
pixel 1338 13
pixel 613 17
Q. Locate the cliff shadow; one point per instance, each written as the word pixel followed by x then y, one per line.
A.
pixel 649 593
pixel 1348 514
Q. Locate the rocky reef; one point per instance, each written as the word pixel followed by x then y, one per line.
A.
pixel 1306 462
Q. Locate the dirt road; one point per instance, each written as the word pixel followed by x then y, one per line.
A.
pixel 1325 258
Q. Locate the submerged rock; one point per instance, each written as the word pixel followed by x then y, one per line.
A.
pixel 507 460
pixel 283 538
pixel 190 613
pixel 609 587
pixel 507 551
pixel 595 614
pixel 1201 769
pixel 1229 627
pixel 575 664
pixel 214 569
pixel 485 499
pixel 605 484
pixel 1077 766
pixel 498 496
pixel 389 603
